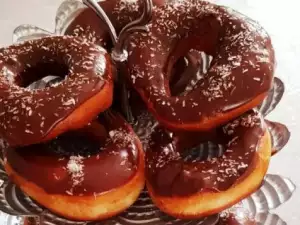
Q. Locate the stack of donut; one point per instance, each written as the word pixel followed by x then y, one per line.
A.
pixel 69 148
pixel 57 146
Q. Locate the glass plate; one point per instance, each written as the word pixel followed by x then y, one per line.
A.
pixel 275 190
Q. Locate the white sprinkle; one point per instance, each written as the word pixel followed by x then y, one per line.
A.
pixel 69 192
pixel 28 131
pixel 75 167
pixel 71 101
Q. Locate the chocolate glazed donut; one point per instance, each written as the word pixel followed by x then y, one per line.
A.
pixel 238 79
pixel 193 189
pixel 88 174
pixel 33 116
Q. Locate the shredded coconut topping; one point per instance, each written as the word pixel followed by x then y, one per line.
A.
pixel 121 138
pixel 75 168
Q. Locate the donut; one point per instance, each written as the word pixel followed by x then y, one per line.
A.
pixel 33 116
pixel 238 79
pixel 193 189
pixel 89 174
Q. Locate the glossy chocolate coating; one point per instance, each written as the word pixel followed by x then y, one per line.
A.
pixel 169 175
pixel 241 70
pixel 120 13
pixel 90 161
pixel 26 116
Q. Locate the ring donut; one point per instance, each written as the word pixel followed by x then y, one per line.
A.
pixel 193 189
pixel 33 116
pixel 238 79
pixel 88 174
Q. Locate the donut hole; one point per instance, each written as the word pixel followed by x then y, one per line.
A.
pixel 203 151
pixel 178 69
pixel 41 74
pixel 187 71
pixel 74 144
pixel 85 142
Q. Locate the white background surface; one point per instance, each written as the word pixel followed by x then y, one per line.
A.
pixel 280 18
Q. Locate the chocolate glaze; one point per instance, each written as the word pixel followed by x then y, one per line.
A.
pixel 86 162
pixel 170 175
pixel 26 116
pixel 241 70
pixel 120 12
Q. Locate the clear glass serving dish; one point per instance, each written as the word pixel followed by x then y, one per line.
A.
pixel 274 192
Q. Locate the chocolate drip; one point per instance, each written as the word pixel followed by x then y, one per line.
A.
pixel 169 175
pixel 90 161
pixel 26 116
